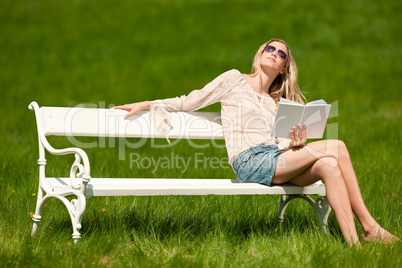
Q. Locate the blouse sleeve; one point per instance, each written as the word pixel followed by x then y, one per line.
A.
pixel 213 92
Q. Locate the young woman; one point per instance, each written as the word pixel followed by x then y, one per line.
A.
pixel 249 104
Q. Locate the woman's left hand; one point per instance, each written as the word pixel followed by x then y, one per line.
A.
pixel 298 136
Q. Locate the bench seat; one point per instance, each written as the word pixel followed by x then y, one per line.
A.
pixel 148 187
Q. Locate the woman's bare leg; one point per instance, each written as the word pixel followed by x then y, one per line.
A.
pixel 299 166
pixel 372 230
pixel 327 168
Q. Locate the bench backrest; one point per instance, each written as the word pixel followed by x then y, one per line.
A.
pixel 94 122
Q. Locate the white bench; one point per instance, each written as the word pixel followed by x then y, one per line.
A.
pixel 72 122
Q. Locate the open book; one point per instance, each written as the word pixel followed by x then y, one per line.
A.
pixel 313 115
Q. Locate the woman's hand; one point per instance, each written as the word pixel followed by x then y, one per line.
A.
pixel 133 108
pixel 298 136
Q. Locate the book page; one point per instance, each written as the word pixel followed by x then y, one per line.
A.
pixel 287 116
pixel 316 102
pixel 286 101
pixel 315 118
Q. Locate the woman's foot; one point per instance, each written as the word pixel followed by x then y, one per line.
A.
pixel 379 234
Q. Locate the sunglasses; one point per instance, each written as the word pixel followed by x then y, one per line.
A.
pixel 281 53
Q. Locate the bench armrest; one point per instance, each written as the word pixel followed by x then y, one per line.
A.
pixel 80 155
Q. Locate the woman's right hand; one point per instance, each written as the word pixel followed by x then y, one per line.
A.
pixel 133 108
pixel 297 136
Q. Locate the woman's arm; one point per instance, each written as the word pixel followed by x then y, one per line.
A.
pixel 197 99
pixel 133 108
pixel 213 92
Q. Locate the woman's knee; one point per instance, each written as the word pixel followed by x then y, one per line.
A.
pixel 328 167
pixel 337 149
pixel 329 162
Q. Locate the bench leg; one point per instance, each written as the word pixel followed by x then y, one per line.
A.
pixel 322 209
pixel 76 208
pixel 37 217
pixel 320 206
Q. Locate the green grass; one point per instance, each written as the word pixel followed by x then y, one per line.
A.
pixel 65 53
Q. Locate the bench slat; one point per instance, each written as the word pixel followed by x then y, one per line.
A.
pixel 148 187
pixel 60 121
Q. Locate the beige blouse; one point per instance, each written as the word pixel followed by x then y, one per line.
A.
pixel 247 117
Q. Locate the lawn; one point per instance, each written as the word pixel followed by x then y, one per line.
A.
pixel 103 53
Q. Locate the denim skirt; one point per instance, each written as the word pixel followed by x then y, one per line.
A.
pixel 257 164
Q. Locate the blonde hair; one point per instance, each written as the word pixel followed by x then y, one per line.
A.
pixel 285 85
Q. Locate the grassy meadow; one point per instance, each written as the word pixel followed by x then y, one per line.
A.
pixel 104 53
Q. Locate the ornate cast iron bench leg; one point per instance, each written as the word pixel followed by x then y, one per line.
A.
pixel 75 207
pixel 320 206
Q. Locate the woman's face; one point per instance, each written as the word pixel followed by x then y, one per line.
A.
pixel 274 56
